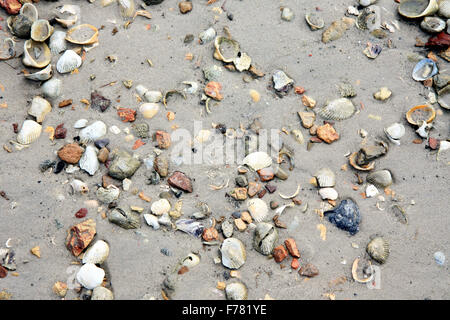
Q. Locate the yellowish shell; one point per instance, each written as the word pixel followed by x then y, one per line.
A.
pixel 39 108
pixel 149 110
pixel 36 54
pixel 82 34
pixel 30 132
pixel 41 30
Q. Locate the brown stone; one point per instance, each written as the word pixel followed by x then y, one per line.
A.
pixel 327 133
pixel 239 193
pixel 433 143
pixel 262 193
pixel 185 6
pixel 103 155
pixel 65 103
pixel 271 188
pixel 213 89
pixel 163 139
pixel 3 272
pixel 161 165
pixel 181 181
pixel 246 217
pixel 253 188
pixel 11 6
pixel 307 119
pixel 126 114
pixel 295 264
pixel 309 270
pixel 292 247
pixel 210 234
pixel 240 224
pixel 79 236
pixel 60 132
pixel 266 174
pixel 107 180
pixel 274 204
pixel 70 153
pixel 279 253
pixel 183 270
pixel 278 223
pixel 60 288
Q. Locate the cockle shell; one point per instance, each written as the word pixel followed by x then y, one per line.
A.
pixel 380 178
pixel 39 108
pixel 58 42
pixel 152 221
pixel 149 110
pixel 257 160
pixel 160 207
pixel 82 34
pixel 68 62
pixel 417 8
pixel 424 69
pixel 79 186
pixel 433 24
pixel 264 238
pixel 227 50
pixel 30 132
pixel 108 194
pixel 97 253
pixel 42 75
pixel 233 253
pixel 93 132
pixel 52 88
pixel 90 276
pixel 328 194
pixel 339 109
pixel 258 209
pixel 378 249
pixel 36 54
pixel 89 161
pixel 325 178
pixel 236 291
pixel 41 30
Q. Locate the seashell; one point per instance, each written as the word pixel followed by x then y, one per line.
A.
pixel 227 229
pixel 20 25
pixel 211 73
pixel 424 69
pixel 433 24
pixel 90 276
pixel 395 132
pixel 380 178
pixel 68 62
pixel 444 8
pixel 264 238
pixel 420 113
pixel 424 129
pixel 339 109
pixel 207 35
pixel 58 42
pixel 68 15
pixel 39 108
pixel 371 191
pixel 97 253
pixel 126 8
pixel 101 293
pixel 79 186
pixel 80 124
pixel 125 218
pixel 153 96
pixel 42 75
pixel 345 216
pixel 7 49
pixel 108 194
pixel 190 261
pixel 83 34
pixel 444 97
pixel 281 82
pixel 366 3
pixel 93 132
pixel 233 253
pixel 149 110
pixel 52 88
pixel 236 291
pixel 160 207
pixel 287 14
pixel 378 249
pixel 36 54
pixel 328 194
pixel 314 21
pixel 242 61
pixel 30 11
pixel 257 160
pixel 190 226
pixel 30 132
pixel 152 221
pixel 298 136
pixel 227 50
pixel 369 19
pixel 141 90
pixel 417 8
pixel 89 161
pixel 325 178
pixel 41 30
pixel 439 257
pixel 193 87
pixel 258 209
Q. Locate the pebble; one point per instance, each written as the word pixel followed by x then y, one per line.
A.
pixel 71 153
pixel 327 133
pixel 181 181
pixel 287 14
pixel 279 253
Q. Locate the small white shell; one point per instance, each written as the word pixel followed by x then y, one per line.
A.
pixel 97 253
pixel 52 88
pixel 325 178
pixel 152 221
pixel 328 194
pixel 160 207
pixel 39 108
pixel 149 110
pixel 258 209
pixel 30 131
pixel 242 62
pixel 371 191
pixel 141 90
pixel 93 132
pixel 258 160
pixel 207 35
pixel 193 87
pixel 80 124
pixel 153 96
pixel 68 62
pixel 79 186
pixel 236 291
pixel 90 276
pixel 165 220
pixel 394 132
pixel 41 75
pixel 58 42
pixel 191 260
pixel 89 161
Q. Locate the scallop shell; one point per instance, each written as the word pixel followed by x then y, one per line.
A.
pixel 258 209
pixel 378 249
pixel 328 194
pixel 207 35
pixel 152 221
pixel 420 113
pixel 444 8
pixel 149 110
pixel 160 207
pixel 417 8
pixel 433 24
pixel 39 108
pixel 7 49
pixel 52 88
pixel 424 69
pixel 257 160
pixel 395 132
pixel 325 178
pixel 80 124
pixel 30 132
pixel 227 50
pixel 314 21
pixel 42 75
pixel 264 238
pixel 126 8
pixel 101 293
pixel 90 276
pixel 236 291
pixel 82 34
pixel 339 109
pixel 93 132
pixel 36 54
pixel 97 253
pixel 89 161
pixel 108 194
pixel 380 178
pixel 79 186
pixel 58 42
pixel 41 30
pixel 233 253
pixel 30 11
pixel 68 62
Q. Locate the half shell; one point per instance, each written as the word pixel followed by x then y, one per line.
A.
pixel 424 69
pixel 227 50
pixel 67 15
pixel 380 178
pixel 264 238
pixel 58 42
pixel 433 24
pixel 420 113
pixel 42 75
pixel 97 253
pixel 52 88
pixel 36 54
pixel 68 62
pixel 30 131
pixel 126 8
pixel 233 253
pixel 378 249
pixel 258 209
pixel 314 21
pixel 93 132
pixel 369 19
pixel 20 25
pixel 41 30
pixel 149 110
pixel 417 8
pixel 39 108
pixel 339 109
pixel 258 160
pixel 7 50
pixel 90 276
pixel 89 161
pixel 395 132
pixel 236 291
pixel 82 34
pixel 325 178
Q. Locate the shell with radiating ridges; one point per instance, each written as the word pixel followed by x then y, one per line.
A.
pixel 328 194
pixel 325 178
pixel 30 132
pixel 89 161
pixel 264 238
pixel 52 88
pixel 258 209
pixel 97 253
pixel 101 293
pixel 93 132
pixel 378 249
pixel 39 108
pixel 236 291
pixel 257 160
pixel 233 253
pixel 41 30
pixel 126 8
pixel 42 75
pixel 339 109
pixel 82 34
pixel 36 54
pixel 58 42
pixel 90 276
pixel 380 178
pixel 68 62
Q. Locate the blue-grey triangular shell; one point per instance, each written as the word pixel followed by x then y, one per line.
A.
pixel 346 216
pixel 424 69
pixel 339 109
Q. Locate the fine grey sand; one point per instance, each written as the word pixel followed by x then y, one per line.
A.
pixel 45 208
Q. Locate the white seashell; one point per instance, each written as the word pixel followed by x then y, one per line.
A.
pixel 68 15
pixel 90 276
pixel 39 108
pixel 141 90
pixel 424 129
pixel 89 161
pixel 191 260
pixel 68 62
pixel 30 11
pixel 126 8
pixel 41 30
pixel 93 132
pixel 152 221
pixel 149 110
pixel 79 186
pixel 42 75
pixel 165 220
pixel 242 62
pixel 58 42
pixel 160 207
pixel 203 136
pixel 366 3
pixel 207 35
pixel 101 293
pixel 444 8
pixel 108 194
pixel 52 88
pixel 80 124
pixel 394 132
pixel 97 253
pixel 30 131
pixel 258 209
pixel 72 169
pixel 325 178
pixel 328 194
pixel 153 96
pixel 258 160
pixel 371 191
pixel 236 291
pixel 114 129
pixel 126 184
pixel 233 253
pixel 339 109
pixel 36 54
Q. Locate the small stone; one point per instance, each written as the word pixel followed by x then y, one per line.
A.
pixel 126 184
pixel 308 101
pixel 327 133
pixel 266 174
pixel 246 217
pixel 163 139
pixel 185 6
pixel 210 234
pixel 307 119
pixel 287 14
pixel 79 236
pixel 123 165
pixel 36 251
pixel 383 94
pixel 221 285
pixel 239 193
pixel 126 114
pixel 271 188
pixel 102 293
pixel 309 270
pixel 227 229
pixel 99 101
pixel 103 155
pixel 262 193
pixel 295 264
pixel 274 205
pixel 181 181
pixel 213 89
pixel 107 180
pixel 292 247
pixel 161 165
pixel 279 253
pixel 60 288
pixel 70 153
pixel 433 143
pixel 313 130
pixel 241 181
pixel 240 224
pixel 60 132
pixel 253 188
pixel 101 143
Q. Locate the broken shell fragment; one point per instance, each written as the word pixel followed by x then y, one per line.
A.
pixel 36 54
pixel 369 19
pixel 363 167
pixel 355 273
pixel 67 15
pixel 90 276
pixel 39 108
pixel 417 8
pixel 366 3
pixel 68 62
pixel 52 88
pixel 345 216
pixel 82 34
pixel 257 160
pixel 378 249
pixel 424 69
pixel 125 218
pixel 42 75
pixel 420 113
pixel 433 24
pixel 207 35
pixel 236 291
pixel 20 25
pixel 339 109
pixel 264 238
pixel 424 129
pixel 41 30
pixel 281 82
pixel 233 253
pixel 79 186
pixel 152 221
pixel 328 194
pixel 242 61
pixel 314 21
pixel 227 50
pixel 97 253
pixel 7 50
pixel 30 132
pixel 126 8
pixel 258 209
pixel 93 132
pixel 89 161
pixel 395 132
pixel 153 96
pixel 380 178
pixel 337 29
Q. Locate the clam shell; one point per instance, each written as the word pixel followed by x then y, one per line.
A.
pixel 81 123
pixel 7 50
pixel 380 178
pixel 108 194
pixel 82 34
pixel 52 88
pixel 433 24
pixel 20 25
pixel 30 132
pixel 233 253
pixel 90 276
pixel 207 35
pixel 79 186
pixel 160 207
pixel 339 109
pixel 141 90
pixel 30 11
pixel 89 161
pixel 36 54
pixel 97 253
pixel 395 131
pixel 41 30
pixel 378 249
pixel 39 108
pixel 152 221
pixel 444 8
pixel 227 50
pixel 366 3
pixel 314 21
pixel 68 15
pixel 236 291
pixel 126 8
pixel 149 110
pixel 264 238
pixel 258 209
pixel 369 19
pixel 417 8
pixel 325 178
pixel 424 69
pixel 93 132
pixel 68 62
pixel 420 113
pixel 42 75
pixel 328 194
pixel 101 293
pixel 444 97
pixel 257 160
pixel 58 42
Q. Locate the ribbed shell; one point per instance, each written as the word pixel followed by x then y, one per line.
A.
pixel 264 238
pixel 258 160
pixel 325 178
pixel 378 249
pixel 339 109
pixel 380 178
pixel 93 132
pixel 68 62
pixel 39 108
pixel 30 132
pixel 58 42
pixel 236 291
pixel 52 88
pixel 233 253
pixel 258 209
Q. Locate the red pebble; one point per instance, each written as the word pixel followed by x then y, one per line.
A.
pixel 60 132
pixel 295 264
pixel 81 213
